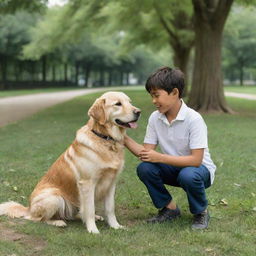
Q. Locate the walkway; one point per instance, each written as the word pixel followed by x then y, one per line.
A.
pixel 18 107
pixel 241 95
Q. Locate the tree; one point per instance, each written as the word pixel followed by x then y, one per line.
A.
pixel 240 42
pixel 157 24
pixel 11 6
pixel 207 93
pixel 13 35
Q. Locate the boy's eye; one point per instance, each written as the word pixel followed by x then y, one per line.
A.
pixel 118 104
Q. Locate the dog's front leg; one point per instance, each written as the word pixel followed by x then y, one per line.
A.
pixel 110 208
pixel 87 205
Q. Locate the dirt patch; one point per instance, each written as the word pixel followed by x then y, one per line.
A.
pixel 33 245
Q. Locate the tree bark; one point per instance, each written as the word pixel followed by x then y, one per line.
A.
pixel 65 73
pixel 53 73
pixel 76 72
pixel 87 74
pixel 207 94
pixel 44 67
pixel 3 69
pixel 110 77
pixel 241 73
pixel 121 77
pixel 181 22
pixel 180 60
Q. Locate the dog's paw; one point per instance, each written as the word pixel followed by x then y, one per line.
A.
pixel 98 217
pixel 57 223
pixel 118 226
pixel 93 231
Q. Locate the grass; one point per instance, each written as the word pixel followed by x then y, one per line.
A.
pixel 30 146
pixel 10 93
pixel 241 89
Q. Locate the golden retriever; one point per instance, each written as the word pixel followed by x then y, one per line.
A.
pixel 86 172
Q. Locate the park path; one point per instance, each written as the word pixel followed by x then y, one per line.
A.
pixel 16 108
pixel 19 107
pixel 241 95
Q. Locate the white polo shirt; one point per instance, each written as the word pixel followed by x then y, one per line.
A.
pixel 188 131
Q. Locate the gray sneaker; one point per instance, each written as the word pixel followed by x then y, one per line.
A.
pixel 165 215
pixel 201 220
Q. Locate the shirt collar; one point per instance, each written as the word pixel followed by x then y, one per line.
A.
pixel 180 116
pixel 182 112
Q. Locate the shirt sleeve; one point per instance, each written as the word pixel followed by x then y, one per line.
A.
pixel 151 135
pixel 198 134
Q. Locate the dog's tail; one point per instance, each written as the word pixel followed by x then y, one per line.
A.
pixel 14 210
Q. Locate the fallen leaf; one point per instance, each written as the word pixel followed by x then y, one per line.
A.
pixel 254 209
pixel 12 170
pixel 15 188
pixel 208 249
pixel 238 185
pixel 253 194
pixel 223 202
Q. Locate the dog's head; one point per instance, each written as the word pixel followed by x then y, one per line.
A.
pixel 115 108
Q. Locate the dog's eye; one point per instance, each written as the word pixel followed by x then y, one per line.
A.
pixel 118 104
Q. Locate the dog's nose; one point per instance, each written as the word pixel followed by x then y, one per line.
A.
pixel 137 112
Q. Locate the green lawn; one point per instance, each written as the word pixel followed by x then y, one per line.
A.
pixel 10 93
pixel 30 146
pixel 241 89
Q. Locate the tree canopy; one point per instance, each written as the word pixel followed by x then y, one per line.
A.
pixel 240 43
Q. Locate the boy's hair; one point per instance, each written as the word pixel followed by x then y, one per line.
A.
pixel 167 79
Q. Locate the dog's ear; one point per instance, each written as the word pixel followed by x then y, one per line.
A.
pixel 97 111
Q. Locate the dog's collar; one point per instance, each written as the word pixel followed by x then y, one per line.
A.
pixel 103 136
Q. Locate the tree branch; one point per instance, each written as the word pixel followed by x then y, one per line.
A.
pixel 222 11
pixel 165 25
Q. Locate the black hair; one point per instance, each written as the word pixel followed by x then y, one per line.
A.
pixel 167 79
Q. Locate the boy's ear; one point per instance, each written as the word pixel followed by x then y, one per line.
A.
pixel 97 111
pixel 175 91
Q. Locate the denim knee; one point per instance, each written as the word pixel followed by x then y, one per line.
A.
pixel 144 170
pixel 186 178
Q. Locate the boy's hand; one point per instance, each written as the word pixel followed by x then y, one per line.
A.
pixel 150 155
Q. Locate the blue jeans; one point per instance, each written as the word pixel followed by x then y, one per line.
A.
pixel 193 180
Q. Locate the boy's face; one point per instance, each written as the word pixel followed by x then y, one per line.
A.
pixel 163 101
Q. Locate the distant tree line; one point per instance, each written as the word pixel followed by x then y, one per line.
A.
pixel 89 61
pixel 100 43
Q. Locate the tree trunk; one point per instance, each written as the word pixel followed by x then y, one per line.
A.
pixel 65 73
pixel 87 74
pixel 207 94
pixel 110 77
pixel 121 77
pixel 3 69
pixel 180 60
pixel 102 77
pixel 76 72
pixel 53 73
pixel 241 74
pixel 44 69
pixel 127 78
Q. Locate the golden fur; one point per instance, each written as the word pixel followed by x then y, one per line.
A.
pixel 86 172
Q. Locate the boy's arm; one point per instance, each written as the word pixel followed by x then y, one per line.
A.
pixel 135 147
pixel 195 159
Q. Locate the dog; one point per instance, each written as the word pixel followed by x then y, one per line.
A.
pixel 86 172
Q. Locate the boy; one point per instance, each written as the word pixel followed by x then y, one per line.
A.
pixel 185 160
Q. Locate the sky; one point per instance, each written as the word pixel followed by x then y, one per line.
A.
pixel 56 2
